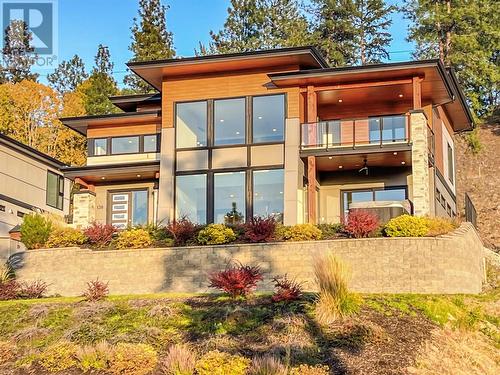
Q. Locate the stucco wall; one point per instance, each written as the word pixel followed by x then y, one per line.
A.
pixel 447 264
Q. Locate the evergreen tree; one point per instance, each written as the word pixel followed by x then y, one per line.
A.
pixel 18 56
pixel 100 85
pixel 150 40
pixel 259 24
pixel 68 75
pixel 464 35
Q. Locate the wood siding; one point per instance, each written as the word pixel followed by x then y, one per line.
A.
pixel 122 130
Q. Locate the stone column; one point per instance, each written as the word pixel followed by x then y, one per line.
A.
pixel 167 176
pixel 83 208
pixel 420 163
pixel 292 175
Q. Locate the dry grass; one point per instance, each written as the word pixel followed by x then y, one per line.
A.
pixel 457 352
pixel 267 365
pixel 180 360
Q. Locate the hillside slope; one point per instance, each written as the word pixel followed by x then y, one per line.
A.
pixel 479 176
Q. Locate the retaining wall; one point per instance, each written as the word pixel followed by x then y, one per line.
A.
pixel 453 263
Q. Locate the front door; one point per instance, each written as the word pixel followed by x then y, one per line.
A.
pixel 128 208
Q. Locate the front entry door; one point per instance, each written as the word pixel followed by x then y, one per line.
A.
pixel 128 208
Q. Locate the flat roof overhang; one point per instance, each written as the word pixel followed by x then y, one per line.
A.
pixel 154 72
pixel 81 124
pixel 439 86
pixel 129 103
pixel 106 173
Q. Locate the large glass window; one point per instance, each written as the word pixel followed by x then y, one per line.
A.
pixel 140 207
pixel 268 188
pixel 191 124
pixel 191 197
pixel 229 121
pixel 125 145
pixel 356 196
pixel 393 128
pixel 268 116
pixel 100 146
pixel 150 143
pixel 229 197
pixel 55 190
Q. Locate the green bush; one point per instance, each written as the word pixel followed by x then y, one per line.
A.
pixel 133 359
pixel 300 232
pixel 219 363
pixel 134 238
pixel 58 357
pixel 64 237
pixel 94 357
pixel 35 231
pixel 473 142
pixel 216 234
pixel 329 231
pixel 406 226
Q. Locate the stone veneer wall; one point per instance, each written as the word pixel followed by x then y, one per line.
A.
pixel 420 163
pixel 447 264
pixel 83 208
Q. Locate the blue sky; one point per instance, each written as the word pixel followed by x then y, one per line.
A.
pixel 83 24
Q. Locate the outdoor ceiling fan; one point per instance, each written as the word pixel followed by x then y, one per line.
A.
pixel 365 167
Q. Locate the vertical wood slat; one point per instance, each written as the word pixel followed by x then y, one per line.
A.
pixel 417 92
pixel 311 189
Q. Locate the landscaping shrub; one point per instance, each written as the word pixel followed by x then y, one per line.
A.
pixel 300 232
pixel 183 231
pixel 7 352
pixel 65 237
pixel 286 289
pixel 58 357
pixel 33 289
pixel 160 236
pixel 6 273
pixel 310 370
pixel 330 231
pixel 9 290
pixel 35 231
pixel 219 363
pixel 96 291
pixel 439 225
pixel 216 234
pixel 133 238
pixel 334 300
pixel 406 226
pixel 237 280
pixel 260 229
pixel 133 359
pixel 267 365
pixel 361 224
pixel 94 357
pixel 99 235
pixel 180 360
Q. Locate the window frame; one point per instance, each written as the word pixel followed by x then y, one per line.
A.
pixel 208 115
pixel 450 155
pixel 371 190
pixel 91 145
pixel 251 123
pixel 59 191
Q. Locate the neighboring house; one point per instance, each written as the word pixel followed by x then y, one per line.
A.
pixel 274 132
pixel 30 181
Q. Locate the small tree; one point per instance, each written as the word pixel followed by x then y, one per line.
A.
pixel 35 231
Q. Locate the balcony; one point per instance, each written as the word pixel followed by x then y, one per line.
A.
pixel 350 134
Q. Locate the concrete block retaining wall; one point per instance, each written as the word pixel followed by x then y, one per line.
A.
pixel 453 263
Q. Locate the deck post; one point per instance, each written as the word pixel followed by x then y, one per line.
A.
pixel 311 189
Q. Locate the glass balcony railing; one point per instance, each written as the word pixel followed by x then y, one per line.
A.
pixel 356 132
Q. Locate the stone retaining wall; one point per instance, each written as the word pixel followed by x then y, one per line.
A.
pixel 452 263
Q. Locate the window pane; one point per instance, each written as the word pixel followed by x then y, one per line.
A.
pixel 229 121
pixel 191 125
pixel 100 146
pixel 125 145
pixel 390 195
pixel 52 189
pixel 374 125
pixel 268 193
pixel 268 118
pixel 450 163
pixel 139 207
pixel 150 143
pixel 229 197
pixel 191 198
pixel 394 128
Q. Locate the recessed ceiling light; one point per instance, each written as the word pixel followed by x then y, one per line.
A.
pixel 403 162
pixel 330 157
pixel 340 167
pixel 394 153
pixel 103 178
pixel 139 176
pixel 400 95
pixel 340 100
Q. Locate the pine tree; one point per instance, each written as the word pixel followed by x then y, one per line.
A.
pixel 100 85
pixel 150 40
pixel 464 35
pixel 68 75
pixel 18 56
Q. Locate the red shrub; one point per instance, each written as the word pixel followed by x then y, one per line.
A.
pixel 33 289
pixel 183 231
pixel 286 289
pixel 360 224
pixel 260 229
pixel 96 291
pixel 9 290
pixel 100 235
pixel 237 280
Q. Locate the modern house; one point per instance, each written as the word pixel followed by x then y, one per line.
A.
pixel 30 181
pixel 275 132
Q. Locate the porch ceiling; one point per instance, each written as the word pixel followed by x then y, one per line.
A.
pixel 114 173
pixel 356 161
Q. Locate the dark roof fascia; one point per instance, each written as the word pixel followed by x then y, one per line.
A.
pixel 73 171
pixel 135 99
pixel 31 152
pixel 461 96
pixel 228 56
